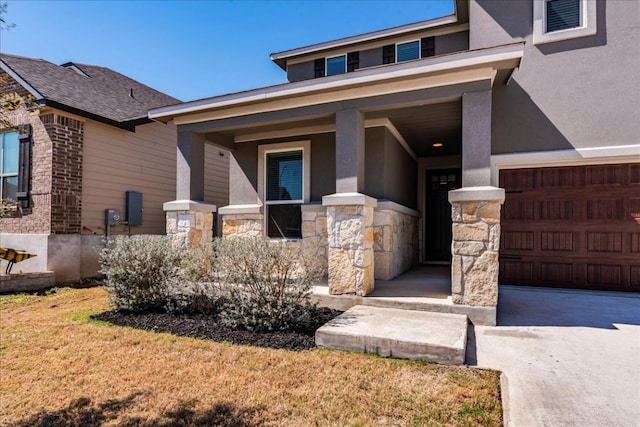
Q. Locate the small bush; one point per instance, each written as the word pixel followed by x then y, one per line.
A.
pixel 266 284
pixel 153 273
pixel 140 271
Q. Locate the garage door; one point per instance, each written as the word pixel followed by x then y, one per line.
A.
pixel 574 227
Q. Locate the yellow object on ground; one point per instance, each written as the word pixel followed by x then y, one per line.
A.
pixel 14 256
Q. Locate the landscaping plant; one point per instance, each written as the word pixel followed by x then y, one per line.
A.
pixel 266 284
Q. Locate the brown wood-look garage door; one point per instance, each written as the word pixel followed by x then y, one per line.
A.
pixel 574 227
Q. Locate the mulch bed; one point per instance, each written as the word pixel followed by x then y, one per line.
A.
pixel 207 327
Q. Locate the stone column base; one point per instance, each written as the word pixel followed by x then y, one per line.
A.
pixel 476 242
pixel 350 251
pixel 189 221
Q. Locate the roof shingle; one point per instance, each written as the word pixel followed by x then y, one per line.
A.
pixel 102 92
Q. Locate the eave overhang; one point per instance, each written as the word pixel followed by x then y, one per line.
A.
pixel 471 65
pixel 280 58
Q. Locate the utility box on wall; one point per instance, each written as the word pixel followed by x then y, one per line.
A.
pixel 134 208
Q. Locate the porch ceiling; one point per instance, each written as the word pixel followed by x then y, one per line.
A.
pixel 422 126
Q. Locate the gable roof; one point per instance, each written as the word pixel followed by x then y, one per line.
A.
pixel 90 91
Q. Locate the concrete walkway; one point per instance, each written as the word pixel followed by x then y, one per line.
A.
pixel 569 358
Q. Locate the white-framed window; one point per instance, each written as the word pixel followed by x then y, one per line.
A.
pixel 9 159
pixel 336 65
pixel 408 51
pixel 555 20
pixel 284 186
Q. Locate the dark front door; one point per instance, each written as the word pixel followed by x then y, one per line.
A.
pixel 438 213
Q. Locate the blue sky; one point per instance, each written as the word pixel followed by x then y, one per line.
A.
pixel 195 49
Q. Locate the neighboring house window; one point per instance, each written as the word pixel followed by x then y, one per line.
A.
pixel 555 20
pixel 9 160
pixel 284 177
pixel 408 51
pixel 336 65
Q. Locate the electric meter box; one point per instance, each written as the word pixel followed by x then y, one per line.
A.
pixel 134 208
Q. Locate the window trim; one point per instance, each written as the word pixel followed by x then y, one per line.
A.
pixel 326 64
pixel 588 12
pixel 8 175
pixel 407 42
pixel 263 150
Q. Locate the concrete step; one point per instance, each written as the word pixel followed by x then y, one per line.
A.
pixel 404 334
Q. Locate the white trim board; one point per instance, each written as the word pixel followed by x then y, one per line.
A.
pixel 20 80
pixel 572 157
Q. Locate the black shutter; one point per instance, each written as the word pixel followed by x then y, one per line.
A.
pixel 353 61
pixel 428 47
pixel 24 165
pixel 319 67
pixel 389 54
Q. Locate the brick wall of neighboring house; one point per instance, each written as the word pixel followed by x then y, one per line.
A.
pixel 66 136
pixel 36 218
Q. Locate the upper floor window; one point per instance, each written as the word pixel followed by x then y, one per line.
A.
pixel 556 20
pixel 9 160
pixel 408 51
pixel 336 65
pixel 284 182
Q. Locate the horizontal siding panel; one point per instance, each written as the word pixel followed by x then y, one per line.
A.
pixel 116 161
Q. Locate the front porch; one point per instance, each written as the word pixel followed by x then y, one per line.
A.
pixel 423 288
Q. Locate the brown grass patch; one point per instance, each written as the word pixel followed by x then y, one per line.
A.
pixel 59 368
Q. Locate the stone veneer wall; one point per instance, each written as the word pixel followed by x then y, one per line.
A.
pixel 395 240
pixel 350 260
pixel 314 232
pixel 190 226
pixel 475 246
pixel 242 224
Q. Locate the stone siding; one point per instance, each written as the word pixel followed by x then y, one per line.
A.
pixel 190 227
pixel 314 232
pixel 238 225
pixel 350 260
pixel 395 242
pixel 476 242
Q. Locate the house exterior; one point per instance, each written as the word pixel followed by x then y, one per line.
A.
pixel 82 146
pixel 502 139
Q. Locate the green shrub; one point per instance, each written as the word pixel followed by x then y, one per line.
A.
pixel 266 284
pixel 154 273
pixel 141 271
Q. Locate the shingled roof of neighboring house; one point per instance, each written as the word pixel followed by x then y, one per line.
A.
pixel 90 91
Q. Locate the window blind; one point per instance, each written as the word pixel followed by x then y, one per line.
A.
pixel 284 176
pixel 562 15
pixel 408 51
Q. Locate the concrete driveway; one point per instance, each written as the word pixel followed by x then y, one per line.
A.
pixel 569 358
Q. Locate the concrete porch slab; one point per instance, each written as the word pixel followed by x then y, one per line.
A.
pixel 404 334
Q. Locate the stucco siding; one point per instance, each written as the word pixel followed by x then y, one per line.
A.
pixel 450 43
pixel 216 175
pixel 116 161
pixel 400 173
pixel 572 94
pixel 323 166
pixel 301 71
